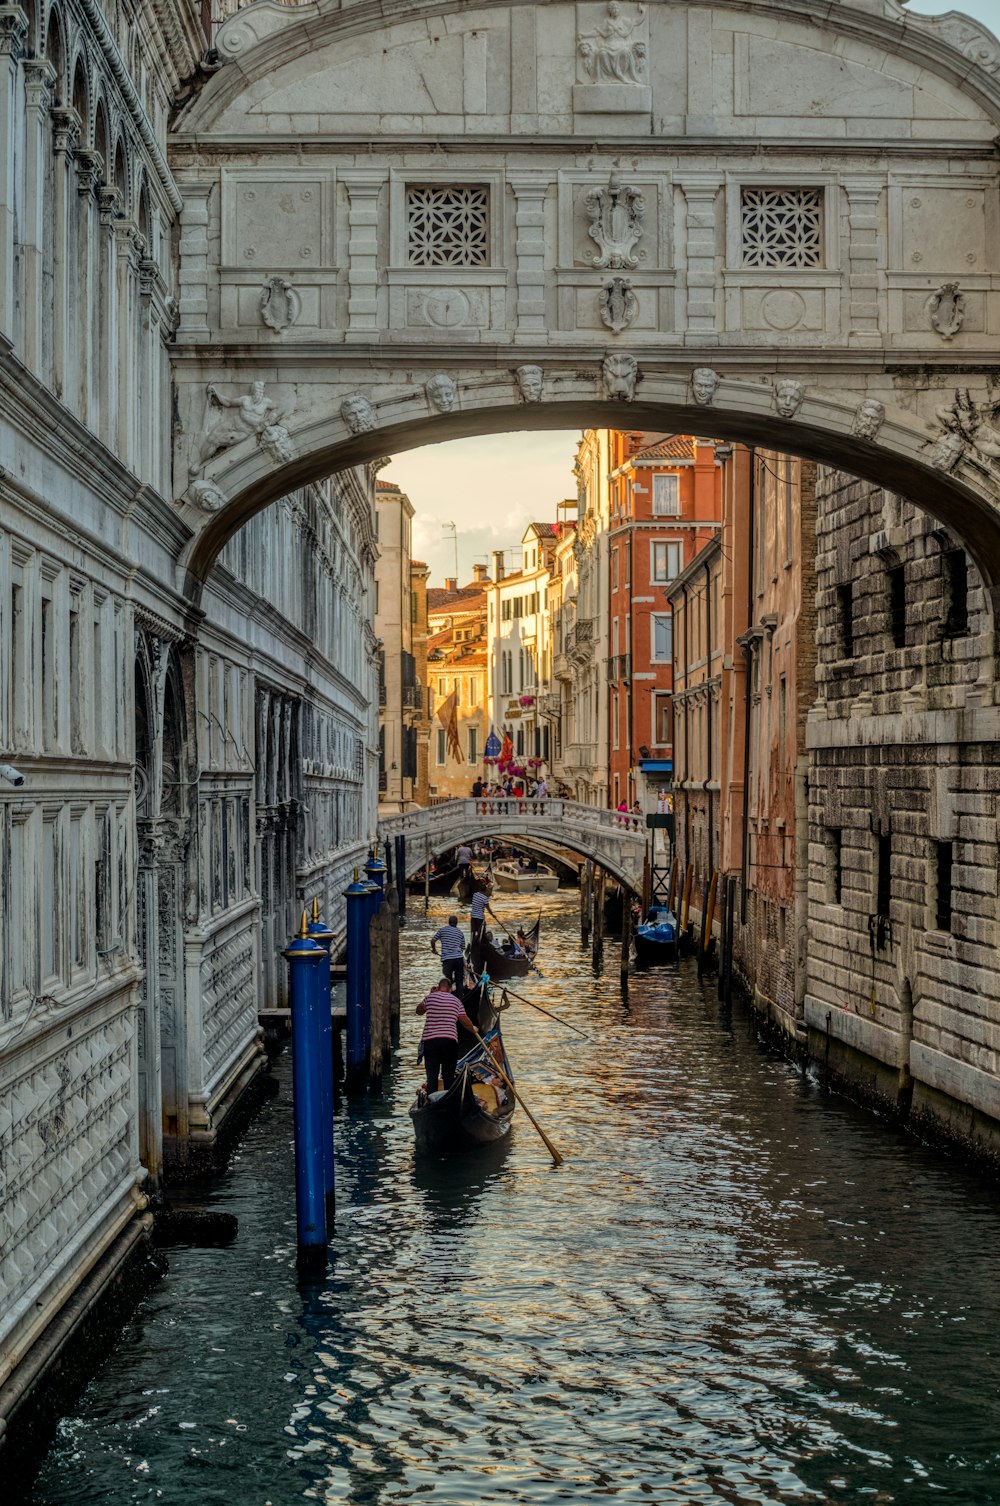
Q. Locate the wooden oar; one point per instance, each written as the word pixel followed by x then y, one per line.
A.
pixel 559 1021
pixel 530 960
pixel 557 1159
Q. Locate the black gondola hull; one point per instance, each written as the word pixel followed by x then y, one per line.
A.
pixel 440 882
pixel 445 1124
pixel 651 952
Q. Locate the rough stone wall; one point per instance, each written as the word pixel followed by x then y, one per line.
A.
pixel 903 777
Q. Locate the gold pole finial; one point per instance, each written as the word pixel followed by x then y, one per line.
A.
pixel 304 928
pixel 315 908
pixel 355 873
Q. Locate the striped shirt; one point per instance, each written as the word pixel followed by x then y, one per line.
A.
pixel 479 904
pixel 442 1010
pixel 451 941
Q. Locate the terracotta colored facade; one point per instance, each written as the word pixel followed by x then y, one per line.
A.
pixel 745 649
pixel 664 506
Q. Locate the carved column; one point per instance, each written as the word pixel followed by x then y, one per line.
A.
pixel 363 189
pixel 110 375
pixel 39 77
pixel 863 202
pixel 701 192
pixel 13 31
pixel 65 139
pixel 529 194
pixel 126 255
pixel 89 167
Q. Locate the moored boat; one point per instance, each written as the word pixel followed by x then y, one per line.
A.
pixel 477 1109
pixel 536 878
pixel 441 879
pixel 506 962
pixel 656 937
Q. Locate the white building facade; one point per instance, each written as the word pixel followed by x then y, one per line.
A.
pixel 179 781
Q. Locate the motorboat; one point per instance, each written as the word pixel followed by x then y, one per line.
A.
pixel 519 876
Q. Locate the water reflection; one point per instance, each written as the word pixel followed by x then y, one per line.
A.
pixel 734 1290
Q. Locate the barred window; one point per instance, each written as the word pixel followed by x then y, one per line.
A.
pixel 447 227
pixel 782 227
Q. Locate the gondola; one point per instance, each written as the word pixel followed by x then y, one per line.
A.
pixel 477 1109
pixel 465 886
pixel 487 957
pixel 441 880
pixel 514 879
pixel 656 937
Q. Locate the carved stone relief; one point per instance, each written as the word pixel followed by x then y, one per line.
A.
pixel 615 216
pixel 530 383
pixel 279 304
pixel 206 495
pixel 788 397
pixel 619 374
pixel 946 310
pixel 868 419
pixel 704 385
pixel 442 393
pixel 357 413
pixel 618 304
pixel 253 415
pixel 612 53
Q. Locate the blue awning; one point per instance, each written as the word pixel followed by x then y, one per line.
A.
pixel 656 765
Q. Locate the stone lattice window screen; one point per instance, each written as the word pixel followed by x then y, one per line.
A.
pixel 447 226
pixel 782 227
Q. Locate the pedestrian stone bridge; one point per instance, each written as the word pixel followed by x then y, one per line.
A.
pixel 616 842
pixel 774 221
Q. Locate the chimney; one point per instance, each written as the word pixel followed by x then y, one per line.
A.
pixel 498 564
pixel 451 582
pixel 479 574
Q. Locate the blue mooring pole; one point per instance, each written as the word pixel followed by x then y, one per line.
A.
pixel 358 965
pixel 307 960
pixel 320 931
pixel 375 871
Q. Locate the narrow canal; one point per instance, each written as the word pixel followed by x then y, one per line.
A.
pixel 736 1289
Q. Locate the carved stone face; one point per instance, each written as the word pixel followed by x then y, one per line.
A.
pixel 257 392
pixel 530 380
pixel 788 397
pixel 869 418
pixel 704 383
pixel 441 392
pixel 357 414
pixel 619 373
pixel 614 9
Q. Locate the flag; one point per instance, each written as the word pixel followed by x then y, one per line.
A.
pixel 507 750
pixel 492 749
pixel 447 714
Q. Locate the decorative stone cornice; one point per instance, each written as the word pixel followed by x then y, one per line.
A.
pixel 65 130
pixel 39 83
pixel 89 170
pixel 111 202
pixel 13 32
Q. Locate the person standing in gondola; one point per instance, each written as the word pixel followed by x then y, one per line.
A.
pixel 480 910
pixel 443 1014
pixel 464 859
pixel 452 943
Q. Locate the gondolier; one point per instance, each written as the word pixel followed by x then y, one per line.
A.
pixel 452 944
pixel 480 910
pixel 464 859
pixel 444 1014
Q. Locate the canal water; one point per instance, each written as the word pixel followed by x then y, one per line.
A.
pixel 736 1289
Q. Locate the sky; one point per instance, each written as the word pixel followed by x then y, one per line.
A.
pixel 492 488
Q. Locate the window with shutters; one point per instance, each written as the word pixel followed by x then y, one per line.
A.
pixel 666 560
pixel 782 227
pixel 447 226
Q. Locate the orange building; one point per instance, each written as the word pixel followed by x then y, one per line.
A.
pixel 744 680
pixel 457 675
pixel 665 505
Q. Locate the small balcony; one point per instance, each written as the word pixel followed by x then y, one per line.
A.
pixel 413 697
pixel 611 664
pixel 625 668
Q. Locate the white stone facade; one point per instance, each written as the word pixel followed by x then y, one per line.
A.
pixel 190 777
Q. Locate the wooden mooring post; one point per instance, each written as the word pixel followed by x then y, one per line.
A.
pixel 626 937
pixel 391 909
pixel 586 886
pixel 597 918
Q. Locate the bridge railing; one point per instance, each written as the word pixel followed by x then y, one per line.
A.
pixel 449 814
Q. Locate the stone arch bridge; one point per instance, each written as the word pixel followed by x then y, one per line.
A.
pixel 775 221
pixel 616 842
